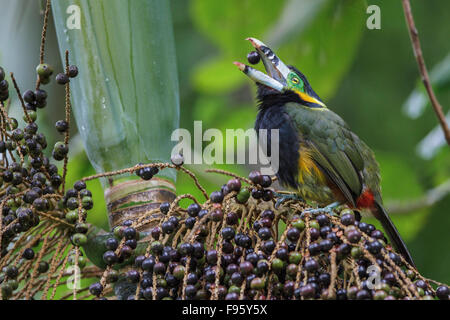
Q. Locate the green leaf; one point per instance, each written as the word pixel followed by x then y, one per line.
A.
pixel 126 99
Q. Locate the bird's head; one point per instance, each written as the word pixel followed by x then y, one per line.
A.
pixel 281 82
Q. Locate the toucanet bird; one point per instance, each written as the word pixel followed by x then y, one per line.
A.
pixel 321 159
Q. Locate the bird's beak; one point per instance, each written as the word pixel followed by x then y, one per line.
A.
pixel 277 71
pixel 260 77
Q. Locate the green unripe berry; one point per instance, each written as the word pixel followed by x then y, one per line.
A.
pixel 61 204
pixel 44 70
pixel 81 261
pixel 421 292
pixel 257 284
pixel 346 211
pixel 12 124
pixel 410 274
pixel 234 289
pixel 162 283
pixel 11 204
pixel 243 195
pixel 178 272
pixel 61 148
pixel 72 203
pixel 79 239
pixel 31 114
pixel 81 227
pixel 299 224
pixel 43 267
pixel 356 252
pixel 72 216
pixel 277 264
pixel 118 232
pixel 87 203
pixel 314 224
pixel 295 257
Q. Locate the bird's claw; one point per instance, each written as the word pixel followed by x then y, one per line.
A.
pixel 284 197
pixel 328 209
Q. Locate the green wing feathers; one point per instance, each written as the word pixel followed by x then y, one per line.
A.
pixel 344 158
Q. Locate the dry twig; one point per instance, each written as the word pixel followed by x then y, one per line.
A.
pixel 423 69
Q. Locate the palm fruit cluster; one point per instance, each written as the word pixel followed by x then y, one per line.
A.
pixel 42 223
pixel 237 245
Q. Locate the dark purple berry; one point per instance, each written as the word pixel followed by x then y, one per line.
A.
pixel 255 177
pixel 253 57
pixel 73 71
pixel 62 78
pixel 348 219
pixel 234 185
pixel 266 181
pixel 216 197
pixel 96 289
pixel 193 209
pixel 443 293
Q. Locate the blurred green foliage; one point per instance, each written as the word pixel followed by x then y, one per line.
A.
pixel 366 76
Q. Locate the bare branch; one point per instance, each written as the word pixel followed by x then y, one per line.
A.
pixel 429 199
pixel 423 69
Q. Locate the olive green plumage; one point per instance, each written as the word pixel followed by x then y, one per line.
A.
pixel 347 160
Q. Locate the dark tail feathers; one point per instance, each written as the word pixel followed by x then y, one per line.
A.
pixel 393 234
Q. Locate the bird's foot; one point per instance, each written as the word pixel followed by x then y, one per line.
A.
pixel 328 209
pixel 282 197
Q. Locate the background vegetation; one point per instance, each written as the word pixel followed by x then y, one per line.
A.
pixel 369 77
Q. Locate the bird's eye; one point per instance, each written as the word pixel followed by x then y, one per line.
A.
pixel 295 80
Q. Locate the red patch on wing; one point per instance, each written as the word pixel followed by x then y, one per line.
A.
pixel 365 200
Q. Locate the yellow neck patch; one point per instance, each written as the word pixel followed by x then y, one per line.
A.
pixel 308 98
